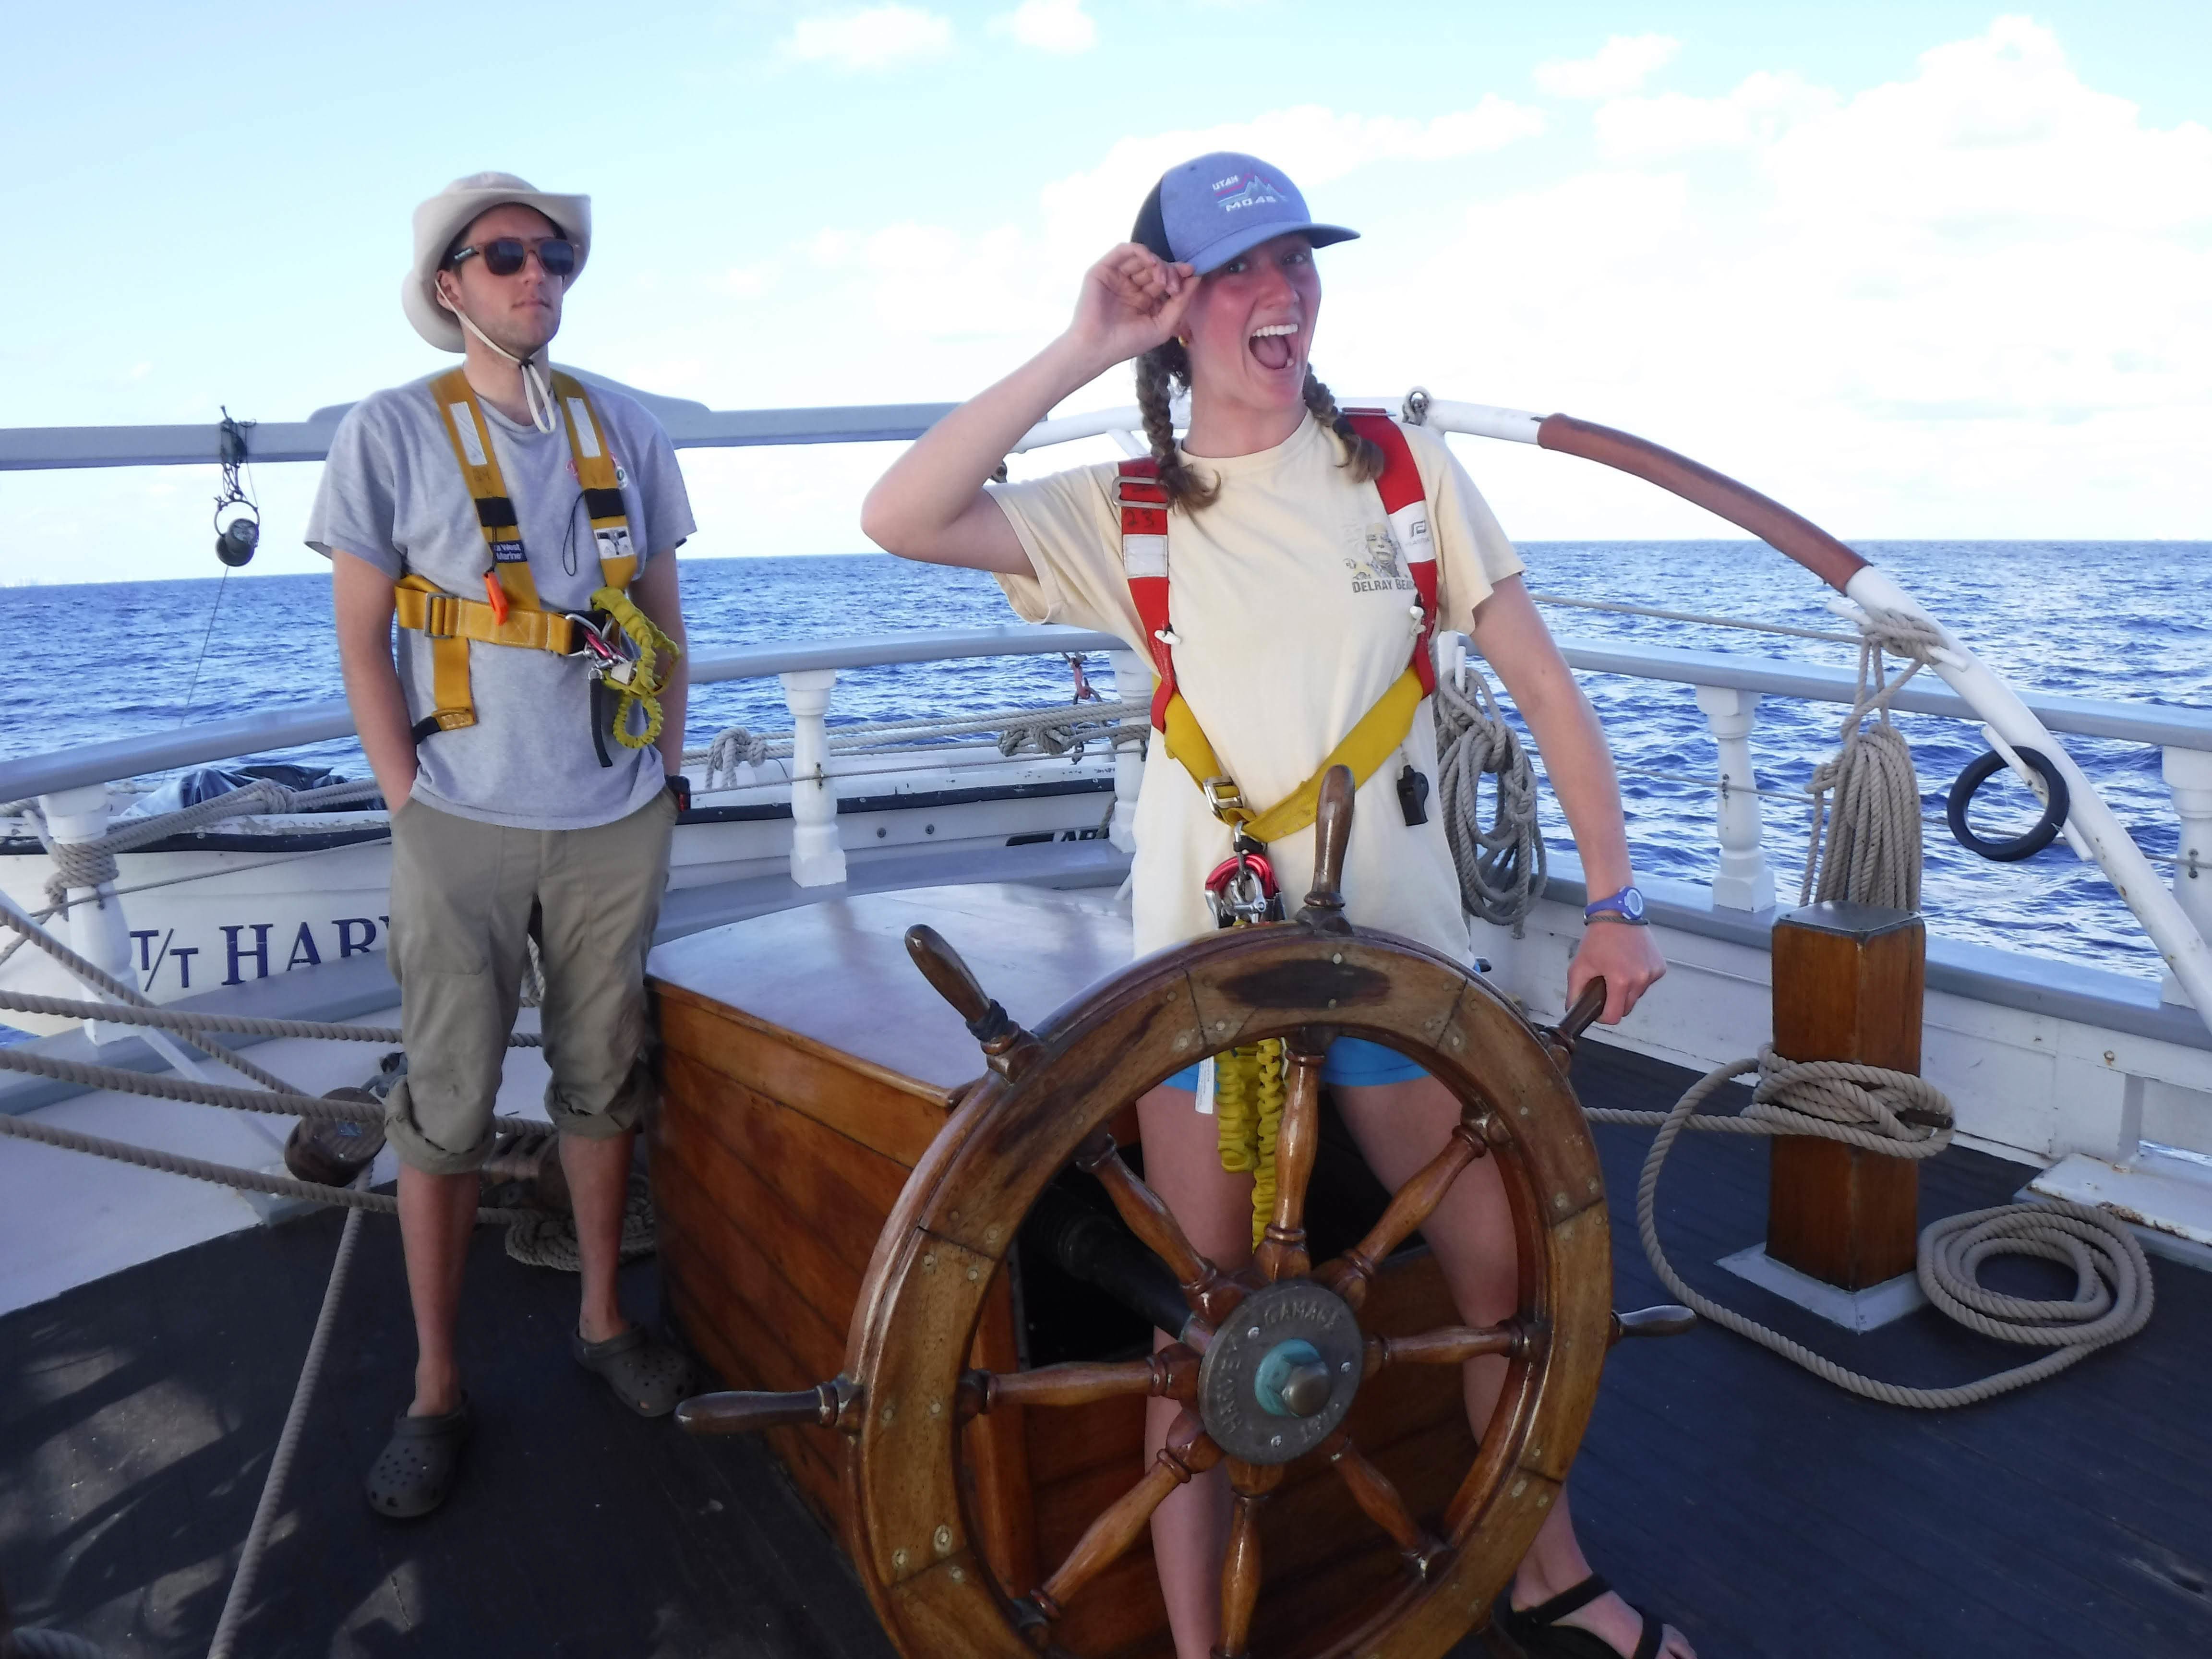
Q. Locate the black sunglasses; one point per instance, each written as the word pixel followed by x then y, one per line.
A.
pixel 503 255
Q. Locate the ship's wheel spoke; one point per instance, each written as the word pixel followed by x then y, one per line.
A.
pixel 1171 1373
pixel 1282 1252
pixel 1373 1492
pixel 1240 1569
pixel 1209 1291
pixel 1447 1345
pixel 1189 1451
pixel 1413 1204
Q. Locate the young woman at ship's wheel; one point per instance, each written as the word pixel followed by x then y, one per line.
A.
pixel 1293 608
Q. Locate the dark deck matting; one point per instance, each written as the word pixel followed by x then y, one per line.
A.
pixel 1766 1512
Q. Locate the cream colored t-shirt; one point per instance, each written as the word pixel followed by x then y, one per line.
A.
pixel 1292 603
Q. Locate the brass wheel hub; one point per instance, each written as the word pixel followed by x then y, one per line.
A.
pixel 1281 1372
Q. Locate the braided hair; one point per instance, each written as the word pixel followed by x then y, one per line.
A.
pixel 1363 455
pixel 1166 362
pixel 1166 365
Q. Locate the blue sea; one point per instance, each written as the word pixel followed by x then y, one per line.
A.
pixel 2125 622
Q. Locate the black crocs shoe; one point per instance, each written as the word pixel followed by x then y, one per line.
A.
pixel 413 1474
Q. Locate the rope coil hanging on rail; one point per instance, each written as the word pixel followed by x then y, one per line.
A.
pixel 1501 869
pixel 1865 846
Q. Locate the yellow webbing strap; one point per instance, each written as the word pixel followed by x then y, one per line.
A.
pixel 1364 748
pixel 452 621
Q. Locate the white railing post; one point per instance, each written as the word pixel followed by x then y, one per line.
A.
pixel 1743 881
pixel 97 931
pixel 1133 683
pixel 2188 773
pixel 818 856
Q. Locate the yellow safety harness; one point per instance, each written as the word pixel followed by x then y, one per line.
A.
pixel 619 643
pixel 1249 1082
pixel 1144 507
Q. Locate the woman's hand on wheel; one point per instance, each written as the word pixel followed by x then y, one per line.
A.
pixel 1629 960
pixel 1132 300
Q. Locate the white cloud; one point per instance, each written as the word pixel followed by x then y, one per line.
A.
pixel 1619 66
pixel 1313 145
pixel 1055 26
pixel 1757 112
pixel 1968 302
pixel 879 38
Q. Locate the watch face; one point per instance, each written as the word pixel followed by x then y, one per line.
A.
pixel 1631 903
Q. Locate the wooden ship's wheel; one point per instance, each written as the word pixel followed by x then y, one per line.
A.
pixel 1268 1361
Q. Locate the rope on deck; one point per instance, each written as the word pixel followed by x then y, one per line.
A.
pixel 221 1175
pixel 1900 1115
pixel 176 1019
pixel 256 1546
pixel 99 980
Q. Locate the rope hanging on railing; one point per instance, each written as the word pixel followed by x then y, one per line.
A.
pixel 1502 871
pixel 1055 731
pixel 1864 846
pixel 89 864
pixel 1901 1115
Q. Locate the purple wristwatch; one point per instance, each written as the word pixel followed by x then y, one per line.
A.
pixel 1626 905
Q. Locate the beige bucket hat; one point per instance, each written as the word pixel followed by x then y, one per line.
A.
pixel 442 219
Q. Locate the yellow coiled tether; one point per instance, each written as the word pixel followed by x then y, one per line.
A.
pixel 648 678
pixel 1247 1101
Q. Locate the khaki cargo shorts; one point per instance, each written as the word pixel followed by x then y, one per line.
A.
pixel 461 895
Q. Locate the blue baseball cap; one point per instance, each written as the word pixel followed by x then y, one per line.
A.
pixel 1206 211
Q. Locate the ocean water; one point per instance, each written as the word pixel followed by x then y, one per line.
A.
pixel 2118 621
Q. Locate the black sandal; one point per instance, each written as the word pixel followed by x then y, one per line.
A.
pixel 415 1469
pixel 1538 1634
pixel 649 1378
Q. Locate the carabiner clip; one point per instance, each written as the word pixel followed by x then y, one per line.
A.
pixel 1242 891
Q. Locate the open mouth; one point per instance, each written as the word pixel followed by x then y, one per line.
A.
pixel 1274 345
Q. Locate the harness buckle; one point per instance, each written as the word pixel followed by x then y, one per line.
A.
pixel 1223 795
pixel 1241 891
pixel 438 616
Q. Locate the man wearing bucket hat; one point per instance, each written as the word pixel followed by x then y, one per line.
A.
pixel 521 528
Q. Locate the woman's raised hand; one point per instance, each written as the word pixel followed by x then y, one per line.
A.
pixel 1132 300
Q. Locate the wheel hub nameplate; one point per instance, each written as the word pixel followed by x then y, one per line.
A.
pixel 1295 1310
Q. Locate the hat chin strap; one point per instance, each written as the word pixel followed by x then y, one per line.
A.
pixel 536 385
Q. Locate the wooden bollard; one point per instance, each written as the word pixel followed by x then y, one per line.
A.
pixel 1848 983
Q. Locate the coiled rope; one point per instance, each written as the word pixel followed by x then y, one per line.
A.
pixel 1865 846
pixel 1502 870
pixel 1867 850
pixel 1888 1112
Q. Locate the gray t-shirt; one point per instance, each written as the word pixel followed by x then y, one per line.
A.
pixel 392 494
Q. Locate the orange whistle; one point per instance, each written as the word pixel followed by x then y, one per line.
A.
pixel 497 595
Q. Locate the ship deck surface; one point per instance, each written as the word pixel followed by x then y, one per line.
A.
pixel 1765 1511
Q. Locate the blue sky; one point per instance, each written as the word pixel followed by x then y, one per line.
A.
pixel 1924 269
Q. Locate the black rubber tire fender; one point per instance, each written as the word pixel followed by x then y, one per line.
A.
pixel 2057 804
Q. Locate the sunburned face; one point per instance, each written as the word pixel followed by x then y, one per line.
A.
pixel 1250 327
pixel 522 311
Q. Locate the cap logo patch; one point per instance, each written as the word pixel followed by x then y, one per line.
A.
pixel 1240 190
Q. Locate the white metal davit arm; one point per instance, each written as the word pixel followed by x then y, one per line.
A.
pixel 2090 824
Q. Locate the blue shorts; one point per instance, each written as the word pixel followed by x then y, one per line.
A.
pixel 1350 1060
